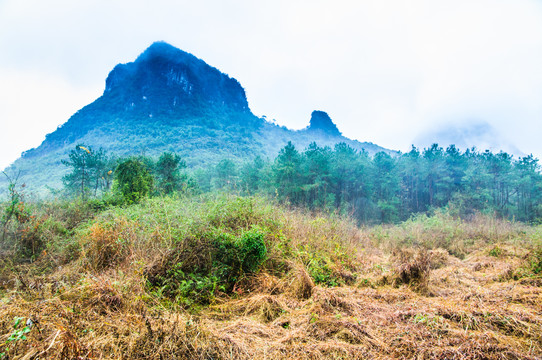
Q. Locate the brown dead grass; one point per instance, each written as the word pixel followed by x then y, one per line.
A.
pixel 471 314
pixel 417 302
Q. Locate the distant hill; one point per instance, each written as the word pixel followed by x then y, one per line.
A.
pixel 169 100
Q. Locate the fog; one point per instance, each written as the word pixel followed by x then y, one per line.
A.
pixel 392 72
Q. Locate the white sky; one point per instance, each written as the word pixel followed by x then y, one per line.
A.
pixel 385 71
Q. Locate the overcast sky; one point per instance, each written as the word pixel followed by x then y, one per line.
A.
pixel 386 71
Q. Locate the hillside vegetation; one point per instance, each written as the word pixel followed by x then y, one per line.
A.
pixel 169 100
pixel 370 189
pixel 228 277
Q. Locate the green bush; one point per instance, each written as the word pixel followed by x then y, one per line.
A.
pixel 133 180
pixel 322 273
pixel 235 257
pixel 536 261
pixel 216 261
pixel 495 251
pixel 105 202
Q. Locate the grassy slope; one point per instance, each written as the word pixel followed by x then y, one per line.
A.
pixel 201 140
pixel 428 288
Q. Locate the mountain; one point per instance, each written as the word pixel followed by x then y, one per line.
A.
pixel 169 100
pixel 321 122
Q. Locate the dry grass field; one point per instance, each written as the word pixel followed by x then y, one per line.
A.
pixel 150 282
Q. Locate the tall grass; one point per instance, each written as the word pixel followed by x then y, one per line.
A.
pixel 221 276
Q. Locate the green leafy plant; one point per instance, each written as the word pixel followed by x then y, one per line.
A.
pixel 496 251
pixel 16 208
pixel 16 335
pixel 536 261
pixel 221 261
pixel 322 273
pixel 133 180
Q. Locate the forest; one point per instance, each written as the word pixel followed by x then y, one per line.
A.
pixel 379 189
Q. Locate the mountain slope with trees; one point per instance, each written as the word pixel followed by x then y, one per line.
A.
pixel 169 100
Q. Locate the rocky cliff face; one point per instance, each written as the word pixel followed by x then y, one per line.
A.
pixel 164 78
pixel 320 121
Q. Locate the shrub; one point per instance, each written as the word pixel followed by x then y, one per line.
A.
pixel 322 273
pixel 215 261
pixel 412 266
pixel 105 202
pixel 133 180
pixel 31 242
pixel 234 212
pixel 495 251
pixel 107 244
pixel 536 261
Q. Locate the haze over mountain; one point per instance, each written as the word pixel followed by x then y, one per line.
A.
pixel 466 135
pixel 169 100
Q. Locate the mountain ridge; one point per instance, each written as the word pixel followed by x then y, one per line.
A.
pixel 170 100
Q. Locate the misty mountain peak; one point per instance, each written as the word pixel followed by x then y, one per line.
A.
pixel 162 48
pixel 164 77
pixel 321 121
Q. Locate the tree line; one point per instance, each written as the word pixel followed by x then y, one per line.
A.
pixel 386 188
pixel 93 174
pixel 380 189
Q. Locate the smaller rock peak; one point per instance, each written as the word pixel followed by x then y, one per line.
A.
pixel 321 121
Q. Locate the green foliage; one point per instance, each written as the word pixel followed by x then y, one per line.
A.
pixel 242 254
pixel 322 273
pixel 16 336
pixel 495 251
pixel 254 176
pixel 15 208
pixel 134 180
pixel 378 189
pixel 225 177
pixel 287 174
pixel 535 261
pixel 223 260
pixel 389 189
pixel 20 229
pixel 169 177
pixel 208 244
pixel 532 266
pixel 90 172
pixel 105 202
